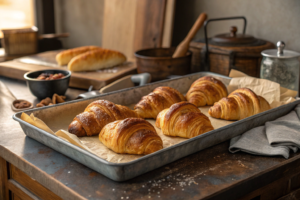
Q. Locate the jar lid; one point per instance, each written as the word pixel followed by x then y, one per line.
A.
pixel 233 38
pixel 280 52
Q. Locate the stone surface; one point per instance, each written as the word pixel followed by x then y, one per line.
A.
pixel 203 174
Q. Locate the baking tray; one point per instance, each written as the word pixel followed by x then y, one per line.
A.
pixel 128 170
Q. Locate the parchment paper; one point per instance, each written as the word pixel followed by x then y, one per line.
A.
pixel 268 89
pixel 93 144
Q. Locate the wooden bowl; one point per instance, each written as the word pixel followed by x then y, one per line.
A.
pixel 160 64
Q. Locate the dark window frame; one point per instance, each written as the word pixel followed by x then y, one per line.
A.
pixel 45 16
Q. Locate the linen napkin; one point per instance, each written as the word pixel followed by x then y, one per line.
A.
pixel 277 137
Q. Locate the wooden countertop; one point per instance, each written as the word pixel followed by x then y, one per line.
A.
pixel 213 173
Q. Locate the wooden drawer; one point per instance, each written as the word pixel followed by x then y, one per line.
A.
pixel 21 181
pixel 18 192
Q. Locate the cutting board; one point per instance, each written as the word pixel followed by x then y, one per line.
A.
pixel 132 25
pixel 98 79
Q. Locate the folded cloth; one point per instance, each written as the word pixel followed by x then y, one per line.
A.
pixel 277 137
pixel 256 142
pixel 284 131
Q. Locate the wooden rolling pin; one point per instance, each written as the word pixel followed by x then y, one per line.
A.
pixel 183 47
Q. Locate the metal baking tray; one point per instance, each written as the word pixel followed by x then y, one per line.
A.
pixel 128 170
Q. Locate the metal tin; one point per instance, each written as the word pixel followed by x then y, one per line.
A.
pixel 125 171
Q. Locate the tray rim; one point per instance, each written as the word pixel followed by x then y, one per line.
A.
pixel 17 115
pixel 157 152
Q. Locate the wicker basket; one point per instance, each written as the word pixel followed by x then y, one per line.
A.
pixel 20 41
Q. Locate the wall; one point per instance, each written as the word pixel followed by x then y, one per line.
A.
pixel 271 20
pixel 83 19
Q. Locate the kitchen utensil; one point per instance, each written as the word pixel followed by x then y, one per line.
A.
pixel 281 66
pixel 159 63
pixel 125 82
pixel 46 88
pixel 20 109
pixel 147 24
pixel 128 170
pixel 232 50
pixel 184 45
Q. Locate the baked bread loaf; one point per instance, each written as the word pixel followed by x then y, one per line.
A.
pixel 64 57
pixel 131 136
pixel 95 60
pixel 206 91
pixel 96 115
pixel 158 100
pixel 240 104
pixel 183 120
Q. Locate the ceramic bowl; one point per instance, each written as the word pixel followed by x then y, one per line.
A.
pixel 46 88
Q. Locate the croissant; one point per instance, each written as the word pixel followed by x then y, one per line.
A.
pixel 158 100
pixel 184 120
pixel 240 104
pixel 96 115
pixel 206 91
pixel 131 136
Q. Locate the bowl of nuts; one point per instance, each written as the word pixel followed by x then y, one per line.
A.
pixel 45 83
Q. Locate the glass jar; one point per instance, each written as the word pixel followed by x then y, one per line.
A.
pixel 281 66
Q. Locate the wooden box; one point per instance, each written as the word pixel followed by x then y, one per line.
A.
pixel 222 59
pixel 20 41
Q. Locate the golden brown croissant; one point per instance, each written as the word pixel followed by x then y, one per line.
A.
pixel 131 136
pixel 158 100
pixel 206 91
pixel 184 120
pixel 96 115
pixel 64 57
pixel 240 104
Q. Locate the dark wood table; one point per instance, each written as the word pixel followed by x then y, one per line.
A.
pixel 31 170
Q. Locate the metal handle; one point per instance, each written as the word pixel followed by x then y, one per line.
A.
pixel 280 46
pixel 205 35
pixel 141 79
